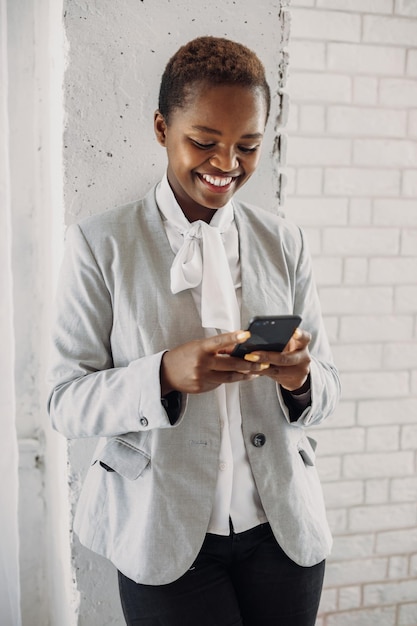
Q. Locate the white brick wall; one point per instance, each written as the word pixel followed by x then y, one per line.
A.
pixel 352 185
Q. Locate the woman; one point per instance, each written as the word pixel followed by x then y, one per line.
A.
pixel 203 490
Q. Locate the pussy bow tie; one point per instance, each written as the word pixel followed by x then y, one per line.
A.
pixel 208 265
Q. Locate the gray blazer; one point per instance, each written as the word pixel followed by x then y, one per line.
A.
pixel 115 317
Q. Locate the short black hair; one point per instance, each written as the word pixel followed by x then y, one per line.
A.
pixel 212 60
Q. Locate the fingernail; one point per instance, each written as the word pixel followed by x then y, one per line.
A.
pixel 242 335
pixel 297 333
pixel 252 357
pixel 263 366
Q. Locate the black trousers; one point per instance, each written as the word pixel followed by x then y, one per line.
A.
pixel 244 579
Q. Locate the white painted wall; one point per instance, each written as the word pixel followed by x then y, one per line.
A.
pixel 352 183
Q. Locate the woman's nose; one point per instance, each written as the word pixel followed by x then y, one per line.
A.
pixel 224 160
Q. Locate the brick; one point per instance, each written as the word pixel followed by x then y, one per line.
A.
pixel 349 598
pixel 331 323
pixel 377 490
pixel 320 87
pixel 289 184
pixel 406 7
pixel 369 122
pixel 412 63
pixel 309 181
pixel 406 299
pixel 329 468
pixel 398 567
pixel 383 438
pixel 328 271
pixel 343 494
pixel 378 465
pixel 400 541
pixel 291 123
pixel 356 571
pixel 409 438
pixel 354 357
pixel 318 211
pixel 407 614
pixel 312 118
pixel 318 151
pixel 404 489
pixel 413 565
pixel 413 123
pixel 356 271
pixel 347 300
pixel 340 441
pixel 323 25
pixel 357 6
pixel 365 617
pixel 347 547
pixel 390 592
pixel 398 411
pixel 398 271
pixel 389 30
pixel 360 211
pixel 361 242
pixel 400 355
pixel 344 416
pixel 398 212
pixel 313 238
pixel 375 384
pixel 376 328
pixel 365 90
pixel 410 183
pixel 384 152
pixel 382 517
pixel 414 383
pixel 328 600
pixel 360 59
pixel 307 55
pixel 398 92
pixel 337 519
pixel 409 242
pixel 366 182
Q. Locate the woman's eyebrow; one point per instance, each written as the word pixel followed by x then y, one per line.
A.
pixel 206 129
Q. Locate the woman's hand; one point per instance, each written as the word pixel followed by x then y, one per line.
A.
pixel 291 367
pixel 204 364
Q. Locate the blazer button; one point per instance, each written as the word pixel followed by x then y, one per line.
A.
pixel 144 422
pixel 259 440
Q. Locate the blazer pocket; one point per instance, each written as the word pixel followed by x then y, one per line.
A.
pixel 306 448
pixel 119 457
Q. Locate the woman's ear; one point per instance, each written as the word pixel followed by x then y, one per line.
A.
pixel 160 127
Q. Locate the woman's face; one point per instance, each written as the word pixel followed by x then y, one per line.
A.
pixel 213 145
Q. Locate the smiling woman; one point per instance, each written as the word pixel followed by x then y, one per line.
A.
pixel 201 491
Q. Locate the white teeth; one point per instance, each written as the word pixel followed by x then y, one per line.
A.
pixel 218 181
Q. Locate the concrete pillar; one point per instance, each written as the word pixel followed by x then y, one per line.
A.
pixel 117 52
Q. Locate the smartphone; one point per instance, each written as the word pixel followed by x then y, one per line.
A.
pixel 271 332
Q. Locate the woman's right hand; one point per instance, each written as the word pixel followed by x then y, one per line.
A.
pixel 204 364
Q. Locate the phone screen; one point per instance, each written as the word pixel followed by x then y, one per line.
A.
pixel 271 333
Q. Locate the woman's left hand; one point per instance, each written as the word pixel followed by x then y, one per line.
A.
pixel 291 367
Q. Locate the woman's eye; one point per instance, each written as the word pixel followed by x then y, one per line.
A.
pixel 202 146
pixel 247 149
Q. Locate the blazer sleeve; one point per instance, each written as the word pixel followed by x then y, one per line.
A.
pixel 324 379
pixel 89 396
